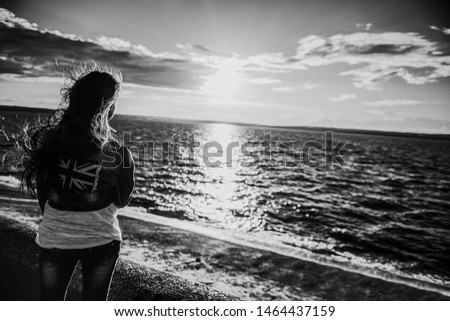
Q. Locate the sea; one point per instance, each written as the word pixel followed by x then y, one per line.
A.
pixel 370 202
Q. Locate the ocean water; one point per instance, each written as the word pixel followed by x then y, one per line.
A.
pixel 383 210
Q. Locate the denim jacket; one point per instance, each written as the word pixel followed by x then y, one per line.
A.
pixel 90 183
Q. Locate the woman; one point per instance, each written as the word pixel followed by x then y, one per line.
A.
pixel 81 174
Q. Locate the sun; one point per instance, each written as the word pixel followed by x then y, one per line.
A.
pixel 226 81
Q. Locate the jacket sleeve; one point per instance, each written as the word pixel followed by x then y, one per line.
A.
pixel 41 191
pixel 42 198
pixel 124 179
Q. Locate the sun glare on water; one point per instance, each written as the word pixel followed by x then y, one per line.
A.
pixel 226 81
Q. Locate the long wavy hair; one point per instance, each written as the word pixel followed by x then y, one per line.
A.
pixel 78 128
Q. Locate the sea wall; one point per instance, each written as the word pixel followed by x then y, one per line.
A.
pixel 19 274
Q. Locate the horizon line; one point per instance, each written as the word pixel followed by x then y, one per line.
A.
pixel 443 136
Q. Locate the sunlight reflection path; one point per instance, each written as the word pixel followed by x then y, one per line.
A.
pixel 228 199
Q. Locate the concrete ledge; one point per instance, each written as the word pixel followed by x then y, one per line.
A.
pixel 19 275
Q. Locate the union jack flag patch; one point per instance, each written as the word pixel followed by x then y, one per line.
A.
pixel 80 175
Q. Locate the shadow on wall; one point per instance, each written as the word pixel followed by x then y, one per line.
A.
pixel 131 282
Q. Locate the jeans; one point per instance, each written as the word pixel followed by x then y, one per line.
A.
pixel 97 265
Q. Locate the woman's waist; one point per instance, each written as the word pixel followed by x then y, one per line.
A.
pixel 79 200
pixel 74 232
pixel 89 220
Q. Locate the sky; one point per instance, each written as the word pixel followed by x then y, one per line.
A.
pixel 378 65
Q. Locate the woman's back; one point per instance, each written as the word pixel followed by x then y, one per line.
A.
pixel 81 175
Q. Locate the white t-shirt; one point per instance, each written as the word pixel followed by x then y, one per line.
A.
pixel 77 230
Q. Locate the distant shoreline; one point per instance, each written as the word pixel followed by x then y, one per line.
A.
pixel 445 137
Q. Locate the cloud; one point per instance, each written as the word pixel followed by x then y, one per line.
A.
pixel 286 89
pixel 117 44
pixel 10 20
pixel 343 97
pixel 400 102
pixel 377 56
pixel 27 51
pixel 443 30
pixel 272 62
pixel 365 26
pixel 22 78
pixel 196 49
pixel 308 86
